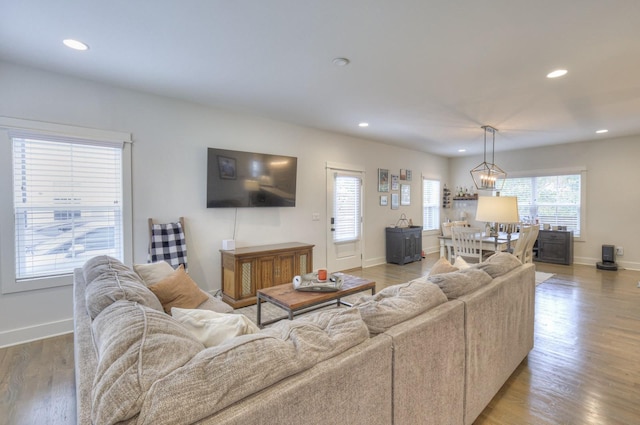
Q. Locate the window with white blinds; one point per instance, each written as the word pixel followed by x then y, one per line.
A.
pixel 67 199
pixel 347 208
pixel 554 200
pixel 430 204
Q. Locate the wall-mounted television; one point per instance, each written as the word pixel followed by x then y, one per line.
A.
pixel 248 179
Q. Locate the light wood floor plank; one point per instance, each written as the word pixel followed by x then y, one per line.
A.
pixel 584 368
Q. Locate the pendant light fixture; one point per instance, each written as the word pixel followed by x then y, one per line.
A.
pixel 488 176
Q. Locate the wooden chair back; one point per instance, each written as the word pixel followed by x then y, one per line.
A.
pixel 467 242
pixel 531 240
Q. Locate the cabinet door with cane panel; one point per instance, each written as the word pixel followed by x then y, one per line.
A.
pixel 246 270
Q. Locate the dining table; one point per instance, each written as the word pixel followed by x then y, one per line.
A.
pixel 488 243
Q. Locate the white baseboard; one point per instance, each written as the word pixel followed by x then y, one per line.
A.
pixel 587 261
pixel 36 332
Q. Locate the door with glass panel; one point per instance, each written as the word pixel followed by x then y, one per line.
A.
pixel 344 211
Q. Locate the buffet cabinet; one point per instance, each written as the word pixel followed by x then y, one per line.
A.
pixel 246 270
pixel 404 244
pixel 555 246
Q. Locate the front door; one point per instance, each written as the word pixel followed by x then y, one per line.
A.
pixel 344 210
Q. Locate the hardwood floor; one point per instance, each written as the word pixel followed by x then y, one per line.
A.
pixel 584 368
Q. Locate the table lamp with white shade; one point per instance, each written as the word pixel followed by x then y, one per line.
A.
pixel 498 210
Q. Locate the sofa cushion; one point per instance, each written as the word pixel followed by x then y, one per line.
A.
pixel 442 266
pixel 153 273
pixel 112 286
pixel 461 263
pixel 178 290
pixel 499 264
pixel 398 303
pixel 211 328
pixel 462 282
pixel 221 375
pixel 215 304
pixel 136 346
pixel 95 266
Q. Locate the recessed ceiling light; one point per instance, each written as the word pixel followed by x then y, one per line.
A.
pixel 604 130
pixel 462 150
pixel 363 124
pixel 557 73
pixel 75 44
pixel 340 61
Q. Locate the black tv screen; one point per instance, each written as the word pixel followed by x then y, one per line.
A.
pixel 247 179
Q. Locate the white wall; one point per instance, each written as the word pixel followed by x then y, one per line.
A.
pixel 613 189
pixel 169 173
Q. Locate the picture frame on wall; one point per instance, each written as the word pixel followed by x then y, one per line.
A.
pixel 395 182
pixel 383 180
pixel 405 194
pixel 409 175
pixel 394 201
pixel 403 174
pixel 384 200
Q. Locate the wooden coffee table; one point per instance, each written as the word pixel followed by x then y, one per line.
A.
pixel 296 302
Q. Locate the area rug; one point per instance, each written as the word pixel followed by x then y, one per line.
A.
pixel 541 277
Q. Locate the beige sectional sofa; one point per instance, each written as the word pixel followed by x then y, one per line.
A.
pixel 406 355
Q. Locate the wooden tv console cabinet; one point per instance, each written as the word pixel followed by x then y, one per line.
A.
pixel 245 270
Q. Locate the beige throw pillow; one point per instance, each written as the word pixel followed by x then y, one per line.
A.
pixel 460 263
pixel 457 284
pixel 153 273
pixel 442 266
pixel 178 290
pixel 213 328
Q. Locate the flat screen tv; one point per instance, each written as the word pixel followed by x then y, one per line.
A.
pixel 248 179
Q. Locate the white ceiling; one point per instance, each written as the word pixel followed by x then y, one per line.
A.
pixel 424 74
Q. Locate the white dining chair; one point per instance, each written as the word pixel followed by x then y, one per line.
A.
pixel 521 242
pixel 531 240
pixel 467 243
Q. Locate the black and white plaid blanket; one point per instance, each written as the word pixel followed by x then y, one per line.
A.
pixel 168 244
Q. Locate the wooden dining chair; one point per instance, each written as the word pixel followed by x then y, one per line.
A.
pixel 521 242
pixel 467 243
pixel 531 240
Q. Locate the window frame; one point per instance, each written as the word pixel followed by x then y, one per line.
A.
pixel 580 170
pixel 438 207
pixel 8 125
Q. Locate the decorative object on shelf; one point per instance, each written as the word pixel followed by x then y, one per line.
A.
pixel 488 176
pixel 498 210
pixel 446 197
pixel 384 200
pixel 405 192
pixel 467 197
pixel 383 180
pixel 403 221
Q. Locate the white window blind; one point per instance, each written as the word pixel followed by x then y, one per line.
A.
pixel 347 209
pixel 67 203
pixel 554 200
pixel 430 204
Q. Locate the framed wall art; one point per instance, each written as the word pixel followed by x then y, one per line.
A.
pixel 384 200
pixel 394 201
pixel 383 180
pixel 395 182
pixel 405 194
